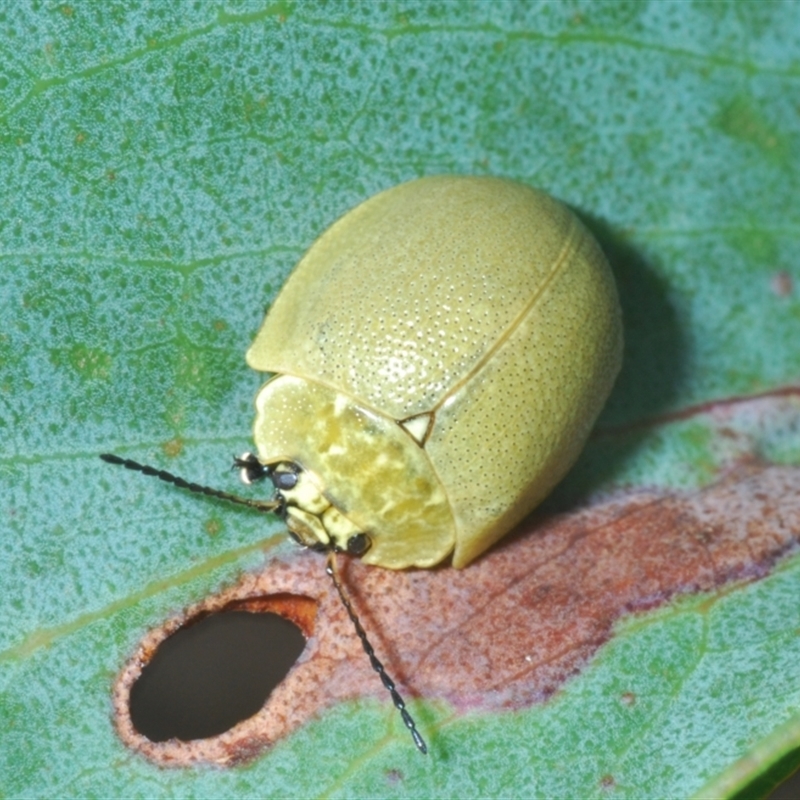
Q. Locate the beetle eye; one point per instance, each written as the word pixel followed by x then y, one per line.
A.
pixel 284 480
pixel 296 538
pixel 250 468
pixel 358 544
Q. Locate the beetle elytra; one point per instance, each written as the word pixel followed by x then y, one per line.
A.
pixel 440 356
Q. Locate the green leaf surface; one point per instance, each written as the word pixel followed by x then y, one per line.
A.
pixel 162 167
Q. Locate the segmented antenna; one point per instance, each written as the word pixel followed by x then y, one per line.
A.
pixel 373 659
pixel 168 477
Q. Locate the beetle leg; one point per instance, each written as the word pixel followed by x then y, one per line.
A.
pixel 250 468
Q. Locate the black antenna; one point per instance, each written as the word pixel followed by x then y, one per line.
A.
pixel 373 659
pixel 168 477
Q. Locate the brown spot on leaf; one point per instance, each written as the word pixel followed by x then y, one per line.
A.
pixel 394 776
pixel 173 447
pixel 782 283
pixel 507 631
pixel 607 782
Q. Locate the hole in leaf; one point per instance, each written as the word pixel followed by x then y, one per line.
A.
pixel 212 674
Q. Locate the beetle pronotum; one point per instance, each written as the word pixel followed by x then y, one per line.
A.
pixel 440 355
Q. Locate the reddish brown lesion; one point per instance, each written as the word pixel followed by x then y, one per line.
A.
pixel 246 739
pixel 505 632
pixel 296 608
pixel 690 412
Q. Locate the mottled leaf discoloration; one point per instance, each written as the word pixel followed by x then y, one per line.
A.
pixel 508 631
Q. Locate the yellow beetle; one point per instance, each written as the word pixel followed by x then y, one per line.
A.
pixel 441 354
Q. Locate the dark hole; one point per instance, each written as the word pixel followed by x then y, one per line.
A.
pixel 212 674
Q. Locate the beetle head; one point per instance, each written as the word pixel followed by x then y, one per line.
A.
pixel 312 519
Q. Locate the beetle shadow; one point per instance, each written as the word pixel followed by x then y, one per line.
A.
pixel 653 369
